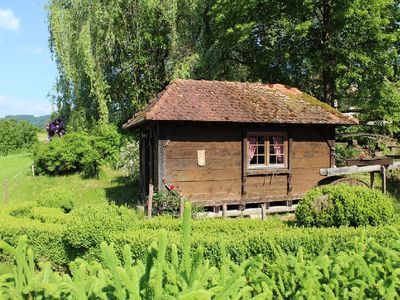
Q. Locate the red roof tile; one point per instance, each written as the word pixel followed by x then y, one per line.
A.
pixel 222 101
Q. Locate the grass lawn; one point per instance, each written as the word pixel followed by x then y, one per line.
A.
pixel 22 186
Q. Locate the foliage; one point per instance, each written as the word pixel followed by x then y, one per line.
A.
pixel 56 197
pixel 167 201
pixel 71 153
pixel 344 51
pixel 343 152
pixel 128 160
pixel 90 224
pixel 364 269
pixel 16 135
pixel 338 205
pixel 59 238
pixel 107 141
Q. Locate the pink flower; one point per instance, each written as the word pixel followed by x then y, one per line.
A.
pixel 171 187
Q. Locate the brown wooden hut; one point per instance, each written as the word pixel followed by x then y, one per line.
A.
pixel 231 143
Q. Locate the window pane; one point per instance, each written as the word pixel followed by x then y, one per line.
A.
pixel 271 149
pixel 272 159
pixel 276 139
pixel 279 159
pixel 260 150
pixel 260 140
pixel 261 160
pixel 253 161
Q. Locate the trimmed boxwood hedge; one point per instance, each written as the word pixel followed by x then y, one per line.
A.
pixel 58 237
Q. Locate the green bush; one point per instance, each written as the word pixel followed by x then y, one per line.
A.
pixel 68 154
pixel 90 224
pixel 56 197
pixel 128 160
pixel 167 201
pixel 58 237
pixel 16 135
pixel 107 141
pixel 365 269
pixel 338 205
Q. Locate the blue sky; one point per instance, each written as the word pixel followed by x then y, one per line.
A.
pixel 27 72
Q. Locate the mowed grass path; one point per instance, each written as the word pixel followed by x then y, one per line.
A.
pixel 22 186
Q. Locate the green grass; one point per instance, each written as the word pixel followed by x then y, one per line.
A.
pixel 111 186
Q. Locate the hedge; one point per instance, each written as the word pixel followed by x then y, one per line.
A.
pixel 60 243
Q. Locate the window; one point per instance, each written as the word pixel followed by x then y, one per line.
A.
pixel 267 150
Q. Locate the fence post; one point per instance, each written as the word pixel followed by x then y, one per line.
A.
pixel 181 207
pixel 6 191
pixel 371 179
pixel 383 173
pixel 150 201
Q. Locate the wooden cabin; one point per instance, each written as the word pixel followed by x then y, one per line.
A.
pixel 230 143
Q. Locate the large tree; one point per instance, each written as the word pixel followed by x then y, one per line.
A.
pixel 114 55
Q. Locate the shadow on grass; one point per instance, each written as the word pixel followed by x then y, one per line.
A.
pixel 125 193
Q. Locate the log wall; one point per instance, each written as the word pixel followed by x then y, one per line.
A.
pixel 223 179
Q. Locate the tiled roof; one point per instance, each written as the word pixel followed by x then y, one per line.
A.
pixel 222 101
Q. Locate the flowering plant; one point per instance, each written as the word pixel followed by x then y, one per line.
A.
pixel 167 201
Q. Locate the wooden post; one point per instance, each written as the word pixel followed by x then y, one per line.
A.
pixel 150 201
pixel 371 179
pixel 263 211
pixel 224 210
pixel 6 191
pixel 33 170
pixel 181 207
pixel 383 174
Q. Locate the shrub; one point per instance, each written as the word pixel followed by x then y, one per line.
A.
pixel 56 197
pixel 107 141
pixel 128 160
pixel 337 205
pixel 90 224
pixel 71 153
pixel 167 201
pixel 16 135
pixel 365 269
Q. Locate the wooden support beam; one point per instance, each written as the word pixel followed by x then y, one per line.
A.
pixel 263 211
pixel 383 174
pixel 181 207
pixel 224 210
pixel 150 201
pixel 349 170
pixel 371 179
pixel 394 166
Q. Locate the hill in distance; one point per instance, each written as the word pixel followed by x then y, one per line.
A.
pixel 36 121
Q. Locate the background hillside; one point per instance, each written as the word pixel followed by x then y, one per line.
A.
pixel 35 121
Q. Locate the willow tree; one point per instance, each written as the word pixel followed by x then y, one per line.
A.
pixel 113 55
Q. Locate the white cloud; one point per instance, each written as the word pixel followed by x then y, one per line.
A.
pixel 8 20
pixel 14 106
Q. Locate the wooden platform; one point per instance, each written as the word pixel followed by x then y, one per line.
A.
pixel 250 210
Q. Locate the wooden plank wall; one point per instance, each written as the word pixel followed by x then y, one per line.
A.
pixel 311 152
pixel 220 178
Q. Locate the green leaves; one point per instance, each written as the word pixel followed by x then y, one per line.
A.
pixel 365 269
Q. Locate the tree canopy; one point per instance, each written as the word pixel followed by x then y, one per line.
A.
pixel 114 55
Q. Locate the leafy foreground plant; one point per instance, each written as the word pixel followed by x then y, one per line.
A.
pixel 366 270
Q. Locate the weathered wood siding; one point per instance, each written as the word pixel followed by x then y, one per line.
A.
pixel 310 153
pixel 222 177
